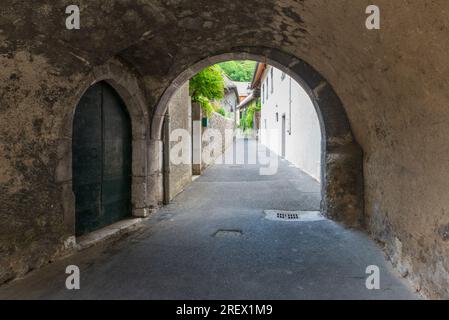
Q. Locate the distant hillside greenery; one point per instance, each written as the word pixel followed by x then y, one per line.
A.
pixel 241 71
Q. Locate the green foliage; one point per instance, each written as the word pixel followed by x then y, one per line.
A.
pixel 258 105
pixel 250 117
pixel 222 112
pixel 207 86
pixel 247 120
pixel 206 105
pixel 208 83
pixel 241 71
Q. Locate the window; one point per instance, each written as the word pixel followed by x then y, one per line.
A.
pixel 272 80
pixel 277 116
pixel 263 93
pixel 265 123
pixel 267 88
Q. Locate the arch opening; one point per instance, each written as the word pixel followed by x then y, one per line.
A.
pixel 101 159
pixel 341 156
pixel 123 85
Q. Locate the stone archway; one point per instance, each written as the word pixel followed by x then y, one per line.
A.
pixel 126 85
pixel 342 157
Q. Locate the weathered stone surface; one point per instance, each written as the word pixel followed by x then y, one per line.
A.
pixel 179 110
pixel 224 127
pixel 392 84
pixel 343 185
pixel 140 193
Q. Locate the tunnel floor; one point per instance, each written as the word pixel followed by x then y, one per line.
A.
pixel 213 242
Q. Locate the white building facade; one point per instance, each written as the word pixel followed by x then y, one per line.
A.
pixel 289 124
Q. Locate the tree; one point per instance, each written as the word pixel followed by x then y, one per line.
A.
pixel 207 86
pixel 208 83
pixel 241 71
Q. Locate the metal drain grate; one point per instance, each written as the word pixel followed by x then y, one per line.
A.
pixel 299 216
pixel 287 216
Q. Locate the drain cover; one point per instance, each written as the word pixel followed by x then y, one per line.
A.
pixel 301 216
pixel 287 216
pixel 227 233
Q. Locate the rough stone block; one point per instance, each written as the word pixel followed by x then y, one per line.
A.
pixel 139 158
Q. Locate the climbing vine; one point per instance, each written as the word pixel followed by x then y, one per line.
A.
pixel 247 120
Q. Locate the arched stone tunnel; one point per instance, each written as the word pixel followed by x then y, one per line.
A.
pixel 381 91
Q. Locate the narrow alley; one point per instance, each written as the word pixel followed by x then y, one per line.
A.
pixel 214 242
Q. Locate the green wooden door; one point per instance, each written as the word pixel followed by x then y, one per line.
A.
pixel 101 159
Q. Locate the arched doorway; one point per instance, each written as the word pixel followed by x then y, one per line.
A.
pixel 101 159
pixel 342 186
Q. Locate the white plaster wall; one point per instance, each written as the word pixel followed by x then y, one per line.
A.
pixel 303 132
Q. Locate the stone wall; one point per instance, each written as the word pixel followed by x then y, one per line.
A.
pixel 180 117
pixel 392 84
pixel 224 126
pixel 37 205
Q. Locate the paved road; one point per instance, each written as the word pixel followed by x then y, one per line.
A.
pixel 213 242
